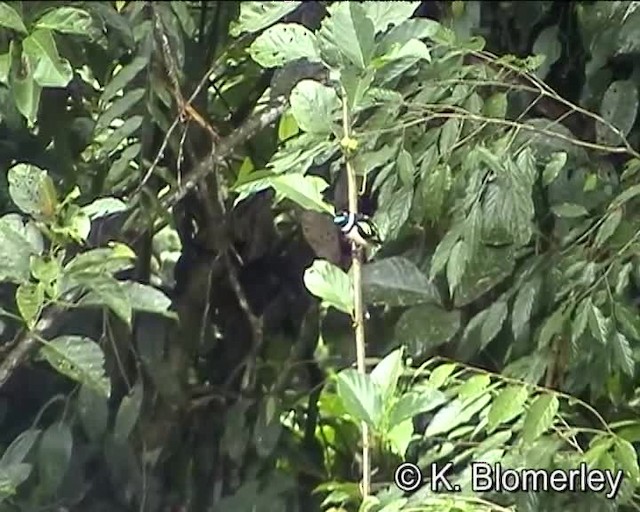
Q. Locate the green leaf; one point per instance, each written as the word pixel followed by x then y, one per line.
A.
pixel 122 78
pixel 106 291
pixel 405 168
pixel 552 169
pixel 507 405
pixel 443 252
pixel 26 92
pixel 360 396
pixel 348 30
pixel 314 106
pixel 119 108
pixel 619 107
pixel 283 43
pixel 598 324
pixel 493 322
pixel 15 252
pixel 54 455
pixel 623 354
pixel 49 69
pixel 448 135
pixel 548 45
pixel 396 281
pixel 417 28
pixel 523 306
pixel 104 206
pixel 11 477
pixel 569 211
pixel 496 105
pixel 331 284
pixel 627 458
pixel 457 264
pixel 456 413
pixel 80 359
pixel 67 20
pixel 425 327
pixel 384 14
pixel 19 448
pixel 387 372
pixel 128 413
pixel 105 260
pixel 32 190
pixel 254 16
pixel 440 374
pixel 120 134
pixel 608 227
pixel 436 183
pixel 474 386
pixel 93 410
pixel 625 196
pixel 539 418
pixel 10 18
pixel 552 326
pixel 120 171
pixel 413 403
pixel 144 297
pixel 29 299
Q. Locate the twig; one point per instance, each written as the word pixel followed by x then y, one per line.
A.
pixel 358 308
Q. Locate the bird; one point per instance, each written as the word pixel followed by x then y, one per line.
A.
pixel 358 228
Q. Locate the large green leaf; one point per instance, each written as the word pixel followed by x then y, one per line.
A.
pixel 15 251
pixel 50 70
pixel 413 403
pixel 348 31
pixel 19 448
pixel 122 78
pixel 128 413
pixel 314 106
pixel 32 190
pixel 384 14
pixel 507 405
pixel 68 20
pixel 455 413
pixel 54 455
pixel 144 297
pixel 106 291
pixel 620 108
pixel 387 372
pixel 523 306
pixel 11 477
pixel 283 43
pixel 93 410
pixel 30 300
pixel 486 267
pixel 426 326
pixel 80 359
pixel 540 416
pixel 255 16
pixel 396 281
pixel 493 321
pixel 10 18
pixel 105 260
pixel 361 397
pixel 331 284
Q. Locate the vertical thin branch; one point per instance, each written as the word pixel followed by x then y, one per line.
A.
pixel 358 309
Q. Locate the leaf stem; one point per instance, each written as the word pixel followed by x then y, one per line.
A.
pixel 358 307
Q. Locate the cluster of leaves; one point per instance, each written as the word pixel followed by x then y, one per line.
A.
pixel 534 235
pixel 472 416
pixel 48 278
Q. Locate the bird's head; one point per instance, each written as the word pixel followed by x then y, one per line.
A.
pixel 341 219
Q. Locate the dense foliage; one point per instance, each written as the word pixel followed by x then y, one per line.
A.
pixel 180 314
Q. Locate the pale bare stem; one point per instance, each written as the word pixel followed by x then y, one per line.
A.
pixel 358 309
